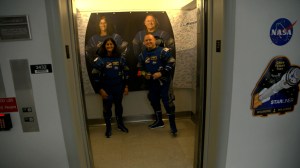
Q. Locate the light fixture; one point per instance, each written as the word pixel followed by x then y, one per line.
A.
pixel 130 5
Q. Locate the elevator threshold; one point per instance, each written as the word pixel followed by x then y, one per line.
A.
pixel 142 118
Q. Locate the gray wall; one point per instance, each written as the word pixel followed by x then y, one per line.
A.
pixel 46 147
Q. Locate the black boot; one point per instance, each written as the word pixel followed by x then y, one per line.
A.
pixel 158 122
pixel 108 128
pixel 121 125
pixel 172 124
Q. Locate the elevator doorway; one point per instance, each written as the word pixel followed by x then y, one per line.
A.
pixel 189 91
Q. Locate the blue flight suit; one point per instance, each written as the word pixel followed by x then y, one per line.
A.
pixel 112 77
pixel 162 37
pixel 92 45
pixel 159 60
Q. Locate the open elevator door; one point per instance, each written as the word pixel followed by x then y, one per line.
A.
pixel 200 96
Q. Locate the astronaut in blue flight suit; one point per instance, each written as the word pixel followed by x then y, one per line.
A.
pixel 152 26
pixel 94 43
pixel 163 38
pixel 111 82
pixel 157 64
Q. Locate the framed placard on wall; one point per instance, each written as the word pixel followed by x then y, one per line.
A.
pixel 14 28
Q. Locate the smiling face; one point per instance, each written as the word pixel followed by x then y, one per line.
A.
pixel 150 41
pixel 109 46
pixel 103 25
pixel 150 23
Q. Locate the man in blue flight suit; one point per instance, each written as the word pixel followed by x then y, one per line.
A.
pixel 163 38
pixel 152 26
pixel 157 64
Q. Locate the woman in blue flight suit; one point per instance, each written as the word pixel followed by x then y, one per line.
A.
pixel 111 82
pixel 104 31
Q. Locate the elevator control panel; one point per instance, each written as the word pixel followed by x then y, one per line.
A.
pixel 24 94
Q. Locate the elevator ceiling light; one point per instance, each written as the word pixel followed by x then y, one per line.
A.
pixel 130 5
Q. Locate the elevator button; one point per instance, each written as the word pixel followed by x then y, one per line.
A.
pixel 28 119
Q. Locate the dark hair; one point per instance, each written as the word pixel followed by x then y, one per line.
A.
pixel 109 26
pixel 102 52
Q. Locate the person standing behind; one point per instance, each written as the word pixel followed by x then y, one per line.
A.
pixel 163 39
pixel 94 43
pixel 157 64
pixel 152 26
pixel 112 82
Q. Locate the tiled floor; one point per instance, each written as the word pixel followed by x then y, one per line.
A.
pixel 143 147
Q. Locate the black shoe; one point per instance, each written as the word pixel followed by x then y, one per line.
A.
pixel 172 124
pixel 157 124
pixel 121 125
pixel 107 119
pixel 173 127
pixel 108 132
pixel 122 128
pixel 174 131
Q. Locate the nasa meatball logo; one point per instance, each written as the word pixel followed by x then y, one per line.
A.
pixel 281 31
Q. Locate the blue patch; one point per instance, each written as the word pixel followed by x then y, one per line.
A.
pixel 281 31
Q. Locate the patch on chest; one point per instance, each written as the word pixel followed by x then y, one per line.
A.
pixel 108 65
pixel 152 59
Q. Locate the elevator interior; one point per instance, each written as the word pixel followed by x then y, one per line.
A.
pixel 186 19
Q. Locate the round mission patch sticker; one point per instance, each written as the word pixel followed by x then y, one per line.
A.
pixel 281 31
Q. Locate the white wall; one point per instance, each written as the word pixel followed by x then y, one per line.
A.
pixel 45 148
pixel 244 140
pixel 136 104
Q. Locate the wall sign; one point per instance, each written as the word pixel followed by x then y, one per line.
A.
pixel 41 68
pixel 8 105
pixel 14 28
pixel 281 31
pixel 277 90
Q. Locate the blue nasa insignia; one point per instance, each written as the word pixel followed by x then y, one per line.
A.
pixel 281 31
